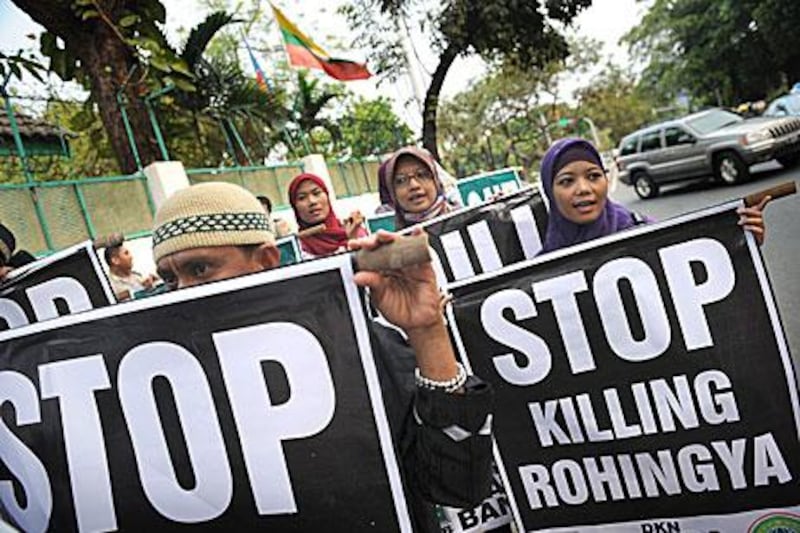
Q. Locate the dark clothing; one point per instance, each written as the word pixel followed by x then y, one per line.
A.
pixel 435 467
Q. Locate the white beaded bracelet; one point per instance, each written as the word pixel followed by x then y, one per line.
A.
pixel 451 385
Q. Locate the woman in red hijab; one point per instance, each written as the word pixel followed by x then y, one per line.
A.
pixel 308 195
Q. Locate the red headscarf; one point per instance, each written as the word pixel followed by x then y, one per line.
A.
pixel 334 236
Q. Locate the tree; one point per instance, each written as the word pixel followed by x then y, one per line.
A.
pixel 222 95
pixel 371 127
pixel 111 46
pixel 521 32
pixel 13 66
pixel 509 112
pixel 309 101
pixel 723 51
pixel 616 104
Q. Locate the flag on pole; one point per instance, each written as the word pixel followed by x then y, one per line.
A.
pixel 261 78
pixel 304 52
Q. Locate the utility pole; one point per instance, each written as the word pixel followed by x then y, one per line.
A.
pixel 408 51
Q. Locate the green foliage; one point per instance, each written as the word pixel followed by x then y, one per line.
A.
pixel 616 104
pixel 203 99
pixel 135 23
pixel 522 33
pixel 306 115
pixel 90 151
pixel 723 51
pixel 13 65
pixel 503 118
pixel 370 127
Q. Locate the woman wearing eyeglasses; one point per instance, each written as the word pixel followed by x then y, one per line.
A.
pixel 416 192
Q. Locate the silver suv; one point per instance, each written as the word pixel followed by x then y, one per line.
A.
pixel 712 142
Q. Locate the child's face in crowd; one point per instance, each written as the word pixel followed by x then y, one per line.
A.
pixel 311 203
pixel 414 185
pixel 202 265
pixel 580 190
pixel 123 258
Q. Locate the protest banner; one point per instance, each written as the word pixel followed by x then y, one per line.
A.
pixel 69 281
pixel 384 221
pixel 289 248
pixel 487 237
pixel 643 382
pixel 477 189
pixel 227 406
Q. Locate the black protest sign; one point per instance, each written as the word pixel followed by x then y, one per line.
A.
pixel 643 380
pixel 247 404
pixel 67 282
pixel 489 236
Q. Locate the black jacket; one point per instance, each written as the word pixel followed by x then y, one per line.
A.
pixel 436 468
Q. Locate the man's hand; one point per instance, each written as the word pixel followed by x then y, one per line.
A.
pixel 752 219
pixel 409 298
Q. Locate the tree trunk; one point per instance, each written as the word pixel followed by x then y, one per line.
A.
pixel 429 113
pixel 96 58
pixel 106 61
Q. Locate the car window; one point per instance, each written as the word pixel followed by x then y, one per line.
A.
pixel 628 146
pixel 651 141
pixel 675 136
pixel 713 120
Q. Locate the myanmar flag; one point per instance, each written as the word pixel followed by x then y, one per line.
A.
pixel 303 52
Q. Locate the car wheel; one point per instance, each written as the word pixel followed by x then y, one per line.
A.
pixel 644 185
pixel 789 161
pixel 730 169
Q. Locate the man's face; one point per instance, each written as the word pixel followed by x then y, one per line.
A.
pixel 123 259
pixel 202 265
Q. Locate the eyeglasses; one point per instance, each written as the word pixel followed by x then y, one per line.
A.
pixel 403 180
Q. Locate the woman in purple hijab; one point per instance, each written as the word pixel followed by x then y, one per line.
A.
pixel 576 185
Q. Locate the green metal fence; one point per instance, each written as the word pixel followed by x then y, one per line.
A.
pixel 49 216
pixel 354 177
pixel 271 181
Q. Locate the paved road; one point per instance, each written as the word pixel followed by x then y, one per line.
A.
pixel 781 249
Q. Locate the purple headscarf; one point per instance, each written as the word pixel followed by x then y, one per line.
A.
pixel 562 232
pixel 383 189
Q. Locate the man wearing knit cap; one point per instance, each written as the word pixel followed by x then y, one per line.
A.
pixel 439 416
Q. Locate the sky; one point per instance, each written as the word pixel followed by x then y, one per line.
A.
pixel 605 20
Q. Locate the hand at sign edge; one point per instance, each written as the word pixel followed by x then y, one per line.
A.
pixel 752 219
pixel 410 299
